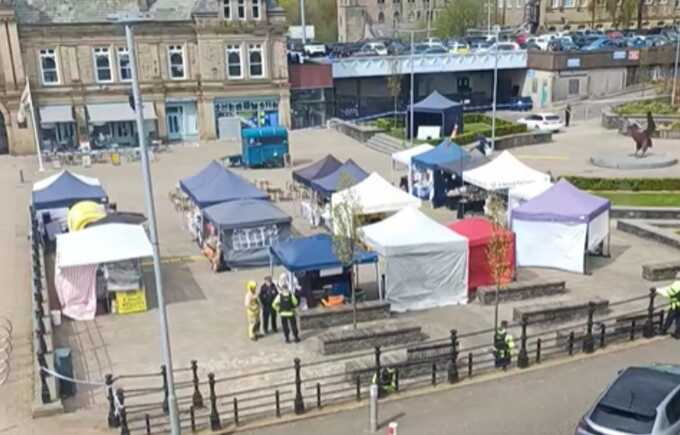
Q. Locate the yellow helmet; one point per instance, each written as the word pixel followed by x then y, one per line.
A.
pixel 252 285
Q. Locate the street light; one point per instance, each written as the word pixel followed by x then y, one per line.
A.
pixel 675 69
pixel 495 91
pixel 413 78
pixel 128 20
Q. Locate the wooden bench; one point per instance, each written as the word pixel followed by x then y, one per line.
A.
pixel 367 337
pixel 321 318
pixel 521 290
pixel 660 271
pixel 559 311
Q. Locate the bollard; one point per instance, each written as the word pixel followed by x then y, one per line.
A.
pixel 147 420
pixel 214 416
pixel 392 428
pixel 588 340
pixel 649 330
pixel 632 330
pixel 396 379
pixel 661 319
pixel 192 418
pixel 235 411
pixel 571 343
pixel 113 415
pixel 434 374
pixel 299 404
pixel 318 395
pixel 38 297
pixel 373 408
pixel 39 320
pixel 44 389
pixel 124 429
pixel 538 350
pixel 41 359
pixel 42 346
pixel 197 398
pixel 382 285
pixel 603 335
pixel 358 385
pixel 453 364
pixel 523 356
pixel 377 363
pixel 277 400
pixel 470 365
pixel 164 375
pixel 21 176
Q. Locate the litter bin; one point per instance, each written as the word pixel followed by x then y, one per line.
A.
pixel 63 364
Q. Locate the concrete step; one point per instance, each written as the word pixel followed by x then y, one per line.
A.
pixel 384 143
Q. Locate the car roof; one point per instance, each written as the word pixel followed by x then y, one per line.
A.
pixel 640 390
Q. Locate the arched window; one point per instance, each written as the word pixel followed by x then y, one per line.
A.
pixel 381 18
pixel 396 17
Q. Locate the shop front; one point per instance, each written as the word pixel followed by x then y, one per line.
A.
pixel 262 111
pixel 114 125
pixel 57 128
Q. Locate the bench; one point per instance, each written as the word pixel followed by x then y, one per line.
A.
pixel 660 271
pixel 558 311
pixel 367 337
pixel 521 290
pixel 322 318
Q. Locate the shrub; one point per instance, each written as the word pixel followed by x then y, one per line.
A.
pixel 657 107
pixel 627 184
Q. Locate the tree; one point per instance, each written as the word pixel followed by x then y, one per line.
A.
pixel 499 247
pixel 322 14
pixel 394 84
pixel 347 219
pixel 458 16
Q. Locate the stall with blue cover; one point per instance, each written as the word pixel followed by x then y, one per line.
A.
pixel 316 170
pixel 65 189
pixel 215 184
pixel 437 110
pixel 345 176
pixel 245 230
pixel 309 257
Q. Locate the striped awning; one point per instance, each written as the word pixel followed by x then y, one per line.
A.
pixel 54 114
pixel 117 112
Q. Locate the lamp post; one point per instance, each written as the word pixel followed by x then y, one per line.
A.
pixel 413 81
pixel 128 20
pixel 495 91
pixel 302 21
pixel 675 69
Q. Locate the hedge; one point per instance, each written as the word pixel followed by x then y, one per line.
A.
pixel 627 184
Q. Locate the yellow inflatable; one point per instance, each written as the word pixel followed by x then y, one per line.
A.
pixel 84 213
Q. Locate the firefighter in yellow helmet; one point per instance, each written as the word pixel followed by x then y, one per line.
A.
pixel 252 304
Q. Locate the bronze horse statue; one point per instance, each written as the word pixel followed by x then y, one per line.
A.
pixel 642 138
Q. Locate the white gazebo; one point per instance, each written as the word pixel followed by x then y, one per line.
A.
pixel 504 172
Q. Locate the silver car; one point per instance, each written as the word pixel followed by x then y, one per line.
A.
pixel 641 401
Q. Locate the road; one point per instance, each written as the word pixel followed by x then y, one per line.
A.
pixel 540 402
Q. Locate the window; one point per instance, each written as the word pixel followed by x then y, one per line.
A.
pixel 241 9
pixel 48 66
pixel 534 86
pixel 227 9
pixel 176 62
pixel 381 18
pixel 555 4
pixel 463 84
pixel 381 2
pixel 255 60
pixel 673 409
pixel 234 62
pixel 569 3
pixel 574 87
pixel 124 71
pixel 396 18
pixel 256 9
pixel 102 64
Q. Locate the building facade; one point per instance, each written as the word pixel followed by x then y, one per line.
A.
pixel 198 62
pixel 362 19
pixel 555 15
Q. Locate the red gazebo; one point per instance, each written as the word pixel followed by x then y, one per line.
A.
pixel 479 232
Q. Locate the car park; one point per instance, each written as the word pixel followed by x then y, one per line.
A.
pixel 378 47
pixel 542 121
pixel 641 400
pixel 601 43
pixel 562 44
pixel 457 47
pixel 504 46
pixel 315 49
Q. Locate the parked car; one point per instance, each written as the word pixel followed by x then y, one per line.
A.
pixel 655 41
pixel 601 43
pixel 436 49
pixel 520 104
pixel 457 46
pixel 641 400
pixel 562 44
pixel 315 49
pixel 504 46
pixel 479 46
pixel 378 47
pixel 433 42
pixel 635 42
pixel 542 121
pixel 541 41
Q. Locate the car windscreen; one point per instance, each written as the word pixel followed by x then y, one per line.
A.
pixel 622 420
pixel 552 118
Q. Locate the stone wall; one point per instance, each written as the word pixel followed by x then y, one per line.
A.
pixel 660 271
pixel 646 230
pixel 321 318
pixel 522 139
pixel 367 337
pixel 520 291
pixel 558 311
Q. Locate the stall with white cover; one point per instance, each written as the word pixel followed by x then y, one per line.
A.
pixel 80 254
pixel 559 227
pixel 375 195
pixel 402 160
pixel 425 264
pixel 504 172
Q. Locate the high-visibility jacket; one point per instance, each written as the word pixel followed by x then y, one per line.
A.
pixel 252 303
pixel 285 303
pixel 387 380
pixel 503 341
pixel 672 292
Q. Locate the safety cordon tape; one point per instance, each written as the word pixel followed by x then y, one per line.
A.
pixel 109 388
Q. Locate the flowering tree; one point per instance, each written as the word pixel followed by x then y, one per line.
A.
pixel 498 248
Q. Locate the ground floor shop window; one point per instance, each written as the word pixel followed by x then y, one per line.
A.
pixel 256 111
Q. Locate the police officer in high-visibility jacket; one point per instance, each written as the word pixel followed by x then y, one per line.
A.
pixel 672 292
pixel 284 304
pixel 252 304
pixel 503 344
pixel 387 382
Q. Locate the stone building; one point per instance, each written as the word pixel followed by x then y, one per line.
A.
pixel 198 61
pixel 555 15
pixel 361 19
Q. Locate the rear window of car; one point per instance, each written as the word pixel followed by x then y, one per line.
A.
pixel 622 420
pixel 552 118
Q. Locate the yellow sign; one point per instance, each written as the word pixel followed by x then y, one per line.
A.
pixel 133 301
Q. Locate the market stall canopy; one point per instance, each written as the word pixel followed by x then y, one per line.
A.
pixel 503 172
pixel 316 170
pixel 449 157
pixel 376 195
pixel 425 263
pixel 102 244
pixel 563 202
pixel 243 213
pixel 437 110
pixel 314 253
pixel 117 112
pixel 404 157
pixel 121 217
pixel 216 184
pixel 434 103
pixel 65 189
pixel 349 172
pixel 529 191
pixel 83 214
pixel 55 114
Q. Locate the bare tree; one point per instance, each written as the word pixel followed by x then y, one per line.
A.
pixel 394 84
pixel 347 219
pixel 499 247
